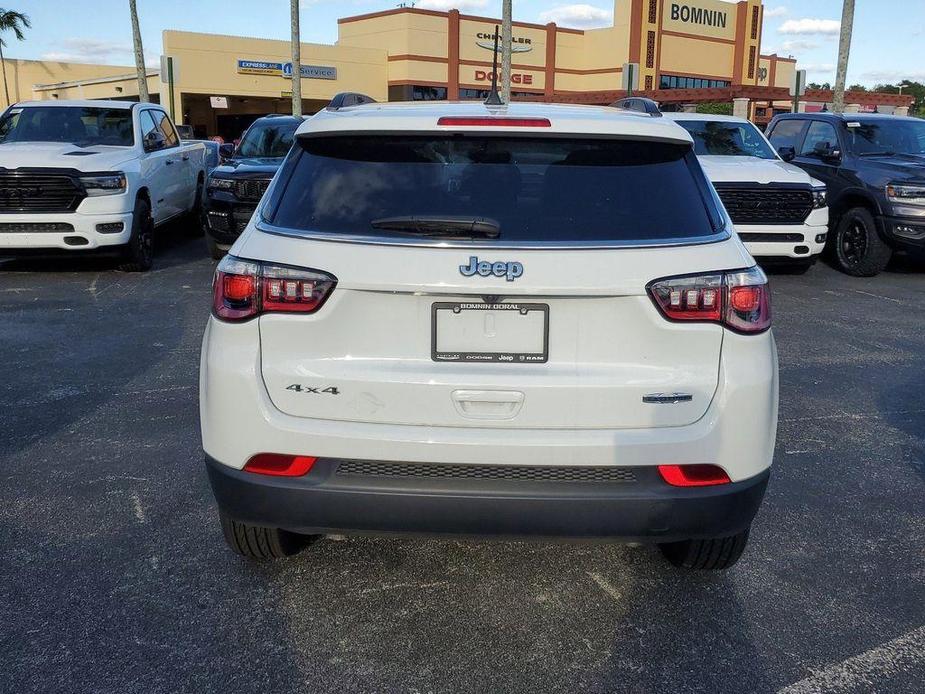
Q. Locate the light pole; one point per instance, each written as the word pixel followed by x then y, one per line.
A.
pixel 296 60
pixel 506 43
pixel 844 47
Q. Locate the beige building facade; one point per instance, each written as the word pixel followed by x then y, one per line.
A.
pixel 221 83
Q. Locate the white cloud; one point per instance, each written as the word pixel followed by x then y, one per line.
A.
pixel 81 50
pixel 810 26
pixel 775 12
pixel 579 16
pixel 798 45
pixel 891 76
pixel 444 5
pixel 818 68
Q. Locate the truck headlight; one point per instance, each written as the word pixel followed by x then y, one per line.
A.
pixel 906 194
pixel 104 184
pixel 819 200
pixel 221 183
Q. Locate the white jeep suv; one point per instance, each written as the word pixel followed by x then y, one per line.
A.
pixel 524 320
pixel 778 209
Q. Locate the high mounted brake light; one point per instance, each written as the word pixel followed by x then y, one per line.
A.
pixel 494 122
pixel 739 300
pixel 243 289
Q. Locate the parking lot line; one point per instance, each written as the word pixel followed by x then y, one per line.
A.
pixel 867 668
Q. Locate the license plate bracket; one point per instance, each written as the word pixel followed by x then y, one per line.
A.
pixel 483 332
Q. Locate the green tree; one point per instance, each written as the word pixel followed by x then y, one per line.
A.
pixel 15 22
pixel 716 108
pixel 857 88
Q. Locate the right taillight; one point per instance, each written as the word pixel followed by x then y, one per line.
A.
pixel 243 289
pixel 738 299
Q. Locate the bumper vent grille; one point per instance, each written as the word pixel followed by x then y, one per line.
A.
pixel 766 205
pixel 39 192
pixel 517 473
pixel 35 227
pixel 772 238
pixel 251 189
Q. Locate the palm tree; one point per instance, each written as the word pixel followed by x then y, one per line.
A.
pixel 844 47
pixel 15 22
pixel 296 60
pixel 139 54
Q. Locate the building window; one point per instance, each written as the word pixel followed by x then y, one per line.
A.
pixel 755 22
pixel 679 82
pixel 419 93
pixel 650 50
pixel 751 62
pixel 653 11
pixel 648 81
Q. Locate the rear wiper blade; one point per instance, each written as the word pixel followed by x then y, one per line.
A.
pixel 478 227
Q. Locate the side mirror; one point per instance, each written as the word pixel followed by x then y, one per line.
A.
pixel 787 153
pixel 226 151
pixel 826 152
pixel 154 141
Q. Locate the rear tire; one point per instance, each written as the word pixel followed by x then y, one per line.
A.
pixel 714 554
pixel 260 543
pixel 214 250
pixel 857 248
pixel 138 254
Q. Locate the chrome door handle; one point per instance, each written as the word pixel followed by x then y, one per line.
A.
pixel 185 157
pixel 168 162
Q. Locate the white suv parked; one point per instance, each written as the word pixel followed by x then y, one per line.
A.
pixel 465 319
pixel 779 210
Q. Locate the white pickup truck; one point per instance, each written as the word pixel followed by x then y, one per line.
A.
pixel 99 176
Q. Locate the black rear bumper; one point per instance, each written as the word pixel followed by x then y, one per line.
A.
pixel 640 507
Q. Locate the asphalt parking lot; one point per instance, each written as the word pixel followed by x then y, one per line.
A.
pixel 114 576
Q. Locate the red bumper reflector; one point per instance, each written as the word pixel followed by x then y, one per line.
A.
pixel 693 475
pixel 495 121
pixel 280 465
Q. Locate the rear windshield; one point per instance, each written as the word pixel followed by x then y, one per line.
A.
pixel 727 138
pixel 535 189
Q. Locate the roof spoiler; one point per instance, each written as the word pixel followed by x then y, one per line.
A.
pixel 345 99
pixel 639 103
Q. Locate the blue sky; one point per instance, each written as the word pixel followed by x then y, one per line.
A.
pixel 887 46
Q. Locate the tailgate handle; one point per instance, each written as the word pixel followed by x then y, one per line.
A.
pixel 488 404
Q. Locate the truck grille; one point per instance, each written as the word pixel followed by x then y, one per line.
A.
pixel 766 204
pixel 519 473
pixel 251 189
pixel 32 191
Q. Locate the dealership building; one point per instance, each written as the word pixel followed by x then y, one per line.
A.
pixel 687 51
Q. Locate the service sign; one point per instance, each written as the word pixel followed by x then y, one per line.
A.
pixel 312 72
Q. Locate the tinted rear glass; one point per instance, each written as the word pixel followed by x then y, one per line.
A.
pixel 537 189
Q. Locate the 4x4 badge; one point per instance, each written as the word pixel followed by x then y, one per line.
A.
pixel 510 270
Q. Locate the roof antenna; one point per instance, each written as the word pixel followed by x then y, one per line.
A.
pixel 494 99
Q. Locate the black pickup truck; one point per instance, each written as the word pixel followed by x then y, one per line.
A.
pixel 236 186
pixel 874 168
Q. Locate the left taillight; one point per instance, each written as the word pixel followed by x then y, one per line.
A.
pixel 739 299
pixel 243 289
